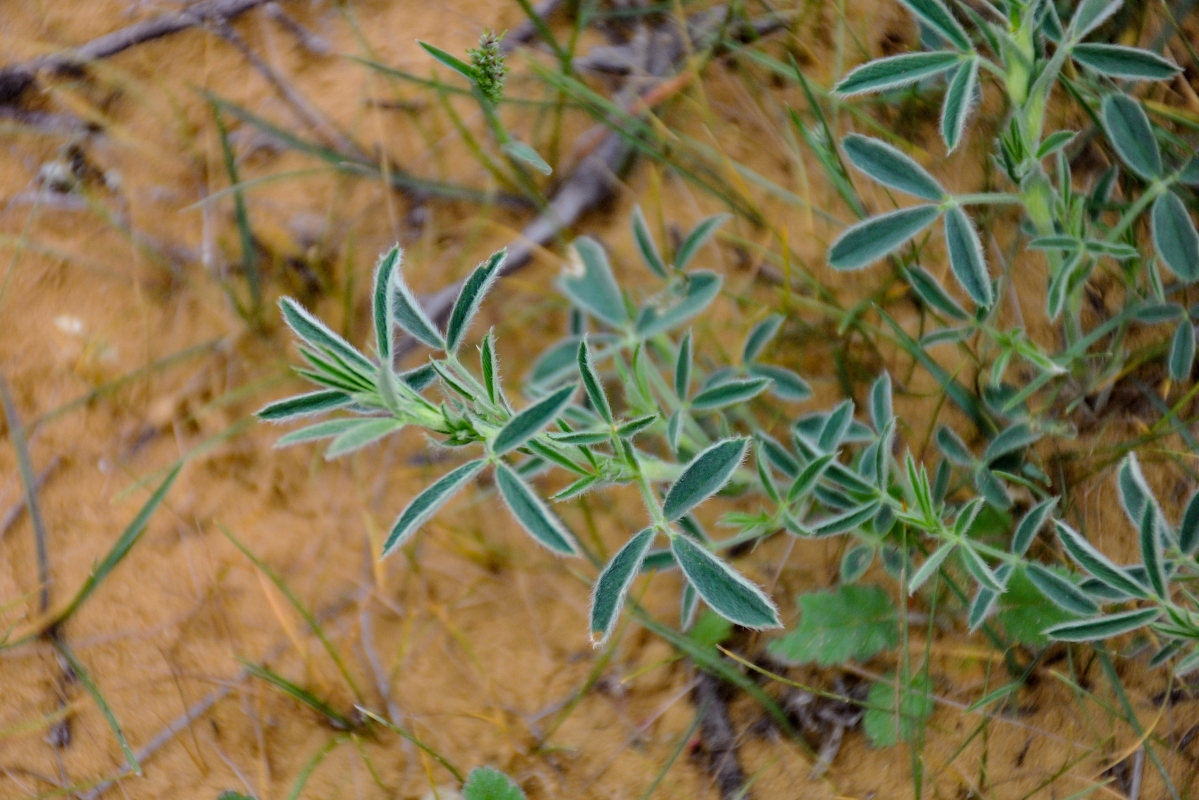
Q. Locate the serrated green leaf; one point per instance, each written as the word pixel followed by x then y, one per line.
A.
pixel 700 234
pixel 1127 63
pixel 900 70
pixel 966 256
pixel 835 626
pixel 891 167
pixel 897 716
pixel 613 584
pixel 1128 130
pixel 485 783
pixel 646 245
pixel 523 152
pixel 726 591
pixel 703 476
pixel 1104 627
pixel 959 101
pixel 1174 236
pixel 531 420
pixel 304 405
pixel 869 240
pixel 532 513
pixel 729 393
pixel 595 290
pixel 426 504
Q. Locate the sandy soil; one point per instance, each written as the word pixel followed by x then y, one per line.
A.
pixel 124 355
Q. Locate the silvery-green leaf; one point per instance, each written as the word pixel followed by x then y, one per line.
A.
pixel 846 521
pixel 1182 351
pixel 474 289
pixel 321 430
pixel 407 312
pixel 932 293
pixel 490 366
pixel 765 478
pixel 855 562
pixel 1174 236
pixel 303 405
pixel 1104 627
pixel 645 244
pixel 613 585
pixel 595 290
pixel 1016 437
pixel 846 478
pixel 702 288
pixel 888 73
pixel 786 384
pixel 688 604
pixel 426 504
pixel 555 363
pixel 1128 130
pixel 1188 528
pixel 966 257
pixel 1134 492
pixel 628 430
pixel 383 303
pixel 890 167
pixel 696 239
pixel 453 62
pixel 807 478
pixel 1052 143
pixel 581 486
pixel 929 567
pixel 836 425
pixel 419 378
pixel 531 420
pixel 1089 558
pixel 729 393
pixel 1128 63
pixel 780 459
pixel 760 336
pixel 523 152
pixel 936 16
pixel 1060 591
pixel 1030 524
pixel 992 488
pixel 592 384
pixel 682 368
pixel 1152 547
pixel 1186 665
pixel 532 513
pixel 363 433
pixel 726 592
pixel 1090 14
pixel 581 438
pixel 703 477
pixel 979 569
pixel 881 411
pixel 674 430
pixel 318 336
pixel 869 240
pixel 959 100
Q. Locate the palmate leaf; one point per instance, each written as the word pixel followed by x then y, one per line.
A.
pixel 532 512
pixel 890 167
pixel 936 16
pixel 613 584
pixel 531 420
pixel 1128 63
pixel 595 289
pixel 959 100
pixel 835 626
pixel 704 476
pixel 966 257
pixel 1174 236
pixel 426 504
pixel 901 70
pixel 1128 130
pixel 869 240
pixel 726 592
pixel 474 289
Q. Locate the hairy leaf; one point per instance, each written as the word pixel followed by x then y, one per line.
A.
pixel 869 240
pixel 966 256
pixel 726 592
pixel 532 513
pixel 531 420
pixel 474 289
pixel 900 70
pixel 1128 130
pixel 426 504
pixel 891 167
pixel 613 584
pixel 704 476
pixel 1174 236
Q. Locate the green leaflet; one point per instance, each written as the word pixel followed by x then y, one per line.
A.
pixel 881 410
pixel 1128 130
pixel 474 289
pixel 613 584
pixel 932 293
pixel 729 393
pixel 485 783
pixel 407 312
pixel 304 405
pixel 453 62
pixel 959 100
pixel 1090 14
pixel 1030 524
pixel 701 289
pixel 1152 548
pixel 888 73
pixel 785 384
pixel 700 234
pixel 704 476
pixel 1104 627
pixel 936 16
pixel 1174 236
pixel 725 591
pixel 760 336
pixel 383 303
pixel 595 290
pixel 317 335
pixel 1096 563
pixel 1011 439
pixel 897 716
pixel 646 245
pixel 836 626
pixel 592 384
pixel 1128 63
pixel 869 240
pixel 532 513
pixel 966 256
pixel 523 152
pixel 362 433
pixel 1188 528
pixel 1182 351
pixel 890 167
pixel 426 504
pixel 682 368
pixel 531 420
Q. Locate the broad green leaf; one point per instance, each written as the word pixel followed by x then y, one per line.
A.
pixel 701 289
pixel 835 626
pixel 383 303
pixel 890 167
pixel 726 592
pixel 613 584
pixel 897 716
pixel 474 289
pixel 729 393
pixel 1174 236
pixel 1182 351
pixel 869 240
pixel 592 384
pixel 453 62
pixel 936 16
pixel 703 476
pixel 1128 63
pixel 1188 528
pixel 426 504
pixel 786 384
pixel 700 234
pixel 485 783
pixel 966 256
pixel 959 101
pixel 408 312
pixel 1096 563
pixel 760 336
pixel 646 245
pixel 531 420
pixel 319 336
pixel 881 410
pixel 901 70
pixel 532 513
pixel 932 293
pixel 1030 524
pixel 523 152
pixel 1104 627
pixel 363 433
pixel 682 368
pixel 1128 130
pixel 304 405
pixel 591 285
